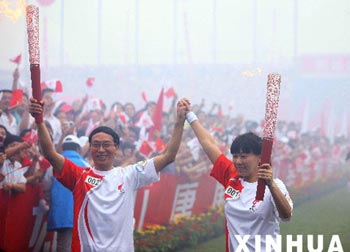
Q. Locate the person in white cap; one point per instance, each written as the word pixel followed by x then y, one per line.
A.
pixel 60 217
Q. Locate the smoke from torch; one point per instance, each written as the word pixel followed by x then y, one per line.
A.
pixel 32 18
pixel 272 99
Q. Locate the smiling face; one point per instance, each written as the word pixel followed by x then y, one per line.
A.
pixel 246 165
pixel 246 152
pixel 103 151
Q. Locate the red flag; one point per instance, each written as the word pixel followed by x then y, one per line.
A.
pixel 59 87
pixel 55 85
pixel 66 107
pixel 160 145
pixel 17 59
pixel 31 137
pixel 26 161
pixel 123 118
pixel 16 98
pixel 144 97
pixel 146 149
pixel 44 164
pixel 217 129
pixel 170 93
pixel 157 115
pixel 90 82
pixel 220 114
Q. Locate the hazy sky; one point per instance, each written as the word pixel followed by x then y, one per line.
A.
pixel 168 31
pixel 249 34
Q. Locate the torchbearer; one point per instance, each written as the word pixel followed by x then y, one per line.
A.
pixel 104 195
pixel 251 225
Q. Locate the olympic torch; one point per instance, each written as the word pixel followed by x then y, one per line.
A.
pixel 32 17
pixel 272 98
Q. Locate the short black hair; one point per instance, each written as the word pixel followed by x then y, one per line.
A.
pixel 246 143
pixel 106 130
pixel 10 138
pixel 150 103
pixel 6 91
pixel 116 104
pixel 3 127
pixel 129 103
pixel 24 132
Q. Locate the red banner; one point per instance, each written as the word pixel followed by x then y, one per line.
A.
pixel 174 196
pixel 23 223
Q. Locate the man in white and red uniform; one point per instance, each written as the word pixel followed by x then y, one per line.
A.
pixel 104 195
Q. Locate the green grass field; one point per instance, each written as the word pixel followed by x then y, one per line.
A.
pixel 328 215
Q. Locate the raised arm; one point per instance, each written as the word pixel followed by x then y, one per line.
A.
pixel 15 78
pixel 173 145
pixel 12 150
pixel 206 140
pixel 45 141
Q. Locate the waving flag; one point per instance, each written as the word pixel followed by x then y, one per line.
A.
pixel 157 115
pixel 144 97
pixel 220 113
pixel 31 137
pixel 54 84
pixel 16 98
pixel 90 82
pixel 17 59
pixel 146 149
pixel 170 92
pixel 159 145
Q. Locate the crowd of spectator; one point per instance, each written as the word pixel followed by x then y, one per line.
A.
pixel 299 157
pixel 292 147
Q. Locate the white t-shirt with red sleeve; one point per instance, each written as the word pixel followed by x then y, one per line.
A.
pixel 104 204
pixel 242 215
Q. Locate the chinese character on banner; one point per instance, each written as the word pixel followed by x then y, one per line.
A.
pixel 185 197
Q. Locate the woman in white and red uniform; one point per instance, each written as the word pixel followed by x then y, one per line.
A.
pixel 104 195
pixel 245 216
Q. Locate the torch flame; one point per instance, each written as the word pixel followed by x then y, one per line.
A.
pixel 12 13
pixel 252 72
